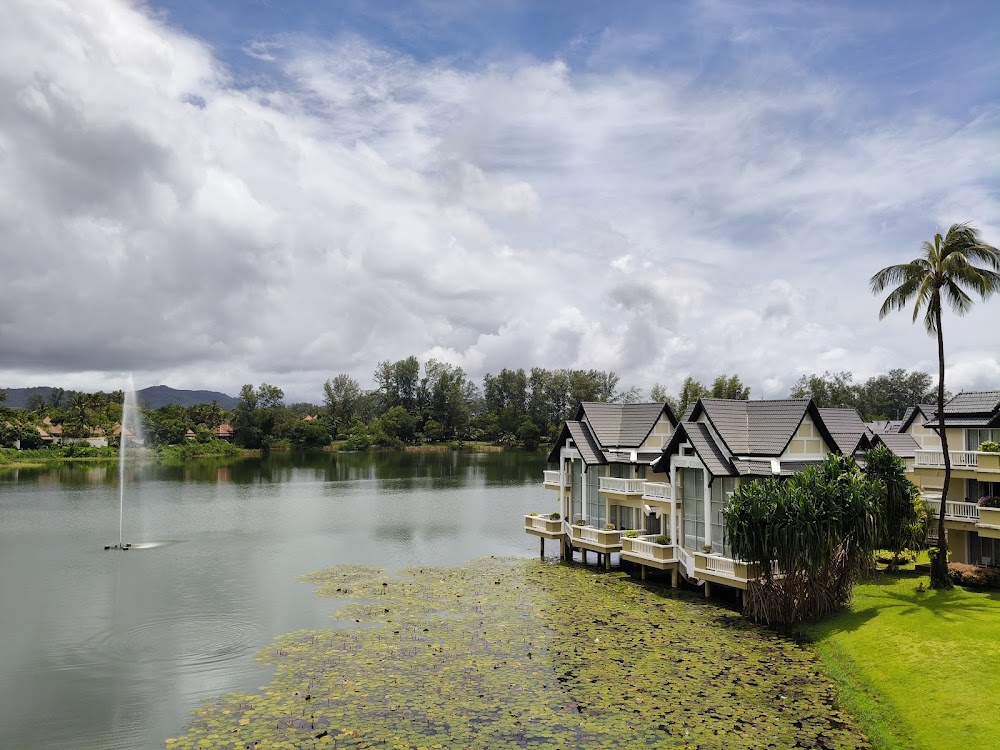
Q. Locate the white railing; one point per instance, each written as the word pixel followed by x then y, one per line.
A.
pixel 956 511
pixel 587 534
pixel 542 523
pixel 552 477
pixel 687 561
pixel 721 565
pixel 656 490
pixel 624 486
pixel 936 458
pixel 645 547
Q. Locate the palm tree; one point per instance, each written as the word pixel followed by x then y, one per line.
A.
pixel 945 266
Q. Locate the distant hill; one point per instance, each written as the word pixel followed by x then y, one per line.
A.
pixel 160 395
pixel 153 397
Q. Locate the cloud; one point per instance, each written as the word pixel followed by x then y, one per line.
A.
pixel 163 216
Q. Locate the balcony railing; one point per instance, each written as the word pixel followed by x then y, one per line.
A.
pixel 545 526
pixel 553 477
pixel 979 460
pixel 656 490
pixel 644 546
pixel 610 538
pixel 621 486
pixel 955 511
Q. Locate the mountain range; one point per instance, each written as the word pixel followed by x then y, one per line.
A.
pixel 152 398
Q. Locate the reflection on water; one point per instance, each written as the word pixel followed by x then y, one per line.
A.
pixel 112 650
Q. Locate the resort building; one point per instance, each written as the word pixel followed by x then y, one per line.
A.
pixel 668 514
pixel 604 478
pixel 973 528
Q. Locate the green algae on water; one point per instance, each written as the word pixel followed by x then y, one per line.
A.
pixel 515 654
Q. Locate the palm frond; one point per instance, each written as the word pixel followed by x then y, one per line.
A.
pixel 958 300
pixel 894 275
pixel 900 296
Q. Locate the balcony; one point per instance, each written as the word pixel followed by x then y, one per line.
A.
pixel 953 511
pixel 645 551
pixel 599 540
pixel 621 486
pixel 553 480
pixel 977 461
pixel 543 526
pixel 725 570
pixel 656 491
pixel 989 523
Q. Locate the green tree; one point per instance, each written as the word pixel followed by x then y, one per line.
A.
pixel 829 390
pixel 528 433
pixel 730 386
pixel 36 404
pixel 901 518
pixel 691 391
pixel 945 265
pixel 340 396
pixel 819 529
pixel 257 415
pixel 888 396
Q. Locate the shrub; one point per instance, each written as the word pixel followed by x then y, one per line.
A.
pixel 632 534
pixel 974 577
pixel 532 514
pixel 989 502
pixel 609 527
pixel 990 446
pixel 662 539
pixel 886 557
pixel 580 522
pixel 554 516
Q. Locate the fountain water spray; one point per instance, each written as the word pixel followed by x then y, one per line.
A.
pixel 131 432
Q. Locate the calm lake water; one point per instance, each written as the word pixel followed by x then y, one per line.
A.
pixel 105 649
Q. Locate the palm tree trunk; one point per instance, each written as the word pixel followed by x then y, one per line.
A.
pixel 939 566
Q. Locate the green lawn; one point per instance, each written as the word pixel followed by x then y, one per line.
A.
pixel 918 669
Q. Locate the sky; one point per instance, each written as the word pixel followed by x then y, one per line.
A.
pixel 208 194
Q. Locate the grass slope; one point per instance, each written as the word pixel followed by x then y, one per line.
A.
pixel 918 669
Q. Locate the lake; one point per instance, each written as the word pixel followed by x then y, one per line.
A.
pixel 107 649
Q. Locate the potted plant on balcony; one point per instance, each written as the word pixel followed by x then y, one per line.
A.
pixel 989 446
pixel 580 522
pixel 608 527
pixel 707 549
pixel 631 534
pixel 554 516
pixel 662 539
pixel 987 501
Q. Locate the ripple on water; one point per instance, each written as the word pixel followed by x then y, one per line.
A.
pixel 190 642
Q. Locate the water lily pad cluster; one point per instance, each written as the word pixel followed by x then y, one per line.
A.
pixel 515 654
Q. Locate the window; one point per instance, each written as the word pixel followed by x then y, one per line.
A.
pixel 721 488
pixel 596 509
pixel 977 489
pixel 693 499
pixel 975 438
pixel 577 478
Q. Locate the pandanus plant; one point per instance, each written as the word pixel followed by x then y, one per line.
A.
pixel 818 530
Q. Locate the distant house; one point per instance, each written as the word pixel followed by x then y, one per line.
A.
pixel 54 431
pixel 310 418
pixel 223 432
pixel 189 435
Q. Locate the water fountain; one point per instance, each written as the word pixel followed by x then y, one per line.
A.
pixel 131 432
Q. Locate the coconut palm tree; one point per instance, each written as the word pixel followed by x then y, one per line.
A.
pixel 945 266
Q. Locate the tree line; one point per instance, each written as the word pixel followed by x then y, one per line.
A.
pixel 433 402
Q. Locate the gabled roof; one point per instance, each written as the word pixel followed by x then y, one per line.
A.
pixel 760 428
pixel 622 425
pixel 704 445
pixel 848 431
pixel 973 409
pixel 899 443
pixel 925 411
pixel 583 438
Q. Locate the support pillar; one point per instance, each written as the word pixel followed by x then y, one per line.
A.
pixel 541 547
pixel 673 578
pixel 643 568
pixel 607 561
pixel 708 589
